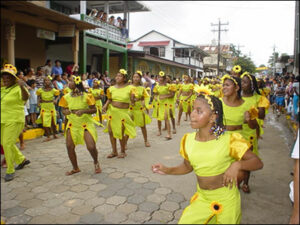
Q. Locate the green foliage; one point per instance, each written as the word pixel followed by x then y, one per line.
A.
pixel 262 65
pixel 246 63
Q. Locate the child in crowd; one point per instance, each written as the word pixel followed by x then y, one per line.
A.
pixel 98 94
pixel 33 109
pixel 218 159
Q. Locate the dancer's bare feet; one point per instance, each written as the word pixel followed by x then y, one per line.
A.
pixel 122 155
pixel 68 173
pixel 147 144
pixel 22 146
pixel 112 155
pixel 158 133
pixel 168 137
pixel 47 139
pixel 174 132
pixel 97 168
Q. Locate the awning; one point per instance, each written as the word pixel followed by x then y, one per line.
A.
pixel 129 46
pixel 28 13
pixel 153 43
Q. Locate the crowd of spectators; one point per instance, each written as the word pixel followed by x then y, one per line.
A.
pixel 119 22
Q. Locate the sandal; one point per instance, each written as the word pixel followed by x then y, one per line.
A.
pixel 147 144
pixel 68 173
pixel 112 155
pixel 21 165
pixel 122 155
pixel 97 168
pixel 246 188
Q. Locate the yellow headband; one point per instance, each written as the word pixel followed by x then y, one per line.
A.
pixel 246 74
pixel 122 71
pixel 77 80
pixel 161 73
pixel 226 76
pixel 208 99
pixel 139 72
pixel 237 69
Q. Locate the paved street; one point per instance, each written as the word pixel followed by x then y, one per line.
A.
pixel 127 191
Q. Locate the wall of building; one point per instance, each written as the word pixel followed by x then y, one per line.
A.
pixel 62 52
pixel 155 67
pixel 155 37
pixel 27 45
pixel 114 65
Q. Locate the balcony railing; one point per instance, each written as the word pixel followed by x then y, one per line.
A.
pixel 185 60
pixel 105 30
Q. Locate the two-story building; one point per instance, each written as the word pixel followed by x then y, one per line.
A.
pixel 63 30
pixel 211 62
pixel 155 51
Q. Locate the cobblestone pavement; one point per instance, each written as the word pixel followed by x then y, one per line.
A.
pixel 127 191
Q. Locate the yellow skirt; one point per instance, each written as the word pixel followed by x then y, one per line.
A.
pixel 219 206
pixel 163 107
pixel 140 116
pixel 78 124
pixel 250 135
pixel 47 114
pixel 186 105
pixel 116 119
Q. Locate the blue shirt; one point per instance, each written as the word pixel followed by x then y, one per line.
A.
pixel 56 70
pixel 90 82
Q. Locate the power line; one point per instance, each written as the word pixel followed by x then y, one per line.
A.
pixel 219 40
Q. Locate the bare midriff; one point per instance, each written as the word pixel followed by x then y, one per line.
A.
pixel 234 127
pixel 120 105
pixel 185 93
pixel 163 96
pixel 43 101
pixel 210 183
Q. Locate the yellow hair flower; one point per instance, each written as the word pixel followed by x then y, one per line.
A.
pixel 77 80
pixel 98 82
pixel 216 207
pixel 122 71
pixel 227 76
pixel 161 73
pixel 202 90
pixel 237 69
pixel 139 72
pixel 246 74
pixel 49 77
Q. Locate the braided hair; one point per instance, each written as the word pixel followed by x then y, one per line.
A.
pixel 255 85
pixel 217 109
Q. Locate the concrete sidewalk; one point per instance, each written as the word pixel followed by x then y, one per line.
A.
pixel 127 191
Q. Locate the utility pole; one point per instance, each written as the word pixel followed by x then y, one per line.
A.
pixel 219 39
pixel 238 49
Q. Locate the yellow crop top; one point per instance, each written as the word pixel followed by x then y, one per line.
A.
pixel 187 87
pixel 141 92
pixel 96 92
pixel 233 115
pixel 47 95
pixel 164 90
pixel 213 157
pixel 78 102
pixel 120 94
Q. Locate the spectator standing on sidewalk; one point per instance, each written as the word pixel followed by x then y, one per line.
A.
pixel 39 77
pixel 57 68
pixel 33 109
pixel 47 69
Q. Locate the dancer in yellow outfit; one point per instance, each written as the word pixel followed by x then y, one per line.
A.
pixel 234 107
pixel 139 110
pixel 120 125
pixel 80 129
pixel 98 94
pixel 257 105
pixel 184 98
pixel 163 92
pixel 47 98
pixel 172 102
pixel 13 98
pixel 218 160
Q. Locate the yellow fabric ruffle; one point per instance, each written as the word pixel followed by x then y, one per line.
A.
pixel 182 151
pixel 253 113
pixel 264 102
pixel 238 146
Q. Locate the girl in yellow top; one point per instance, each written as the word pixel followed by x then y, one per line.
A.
pixel 218 160
pixel 139 111
pixel 257 105
pixel 13 98
pixel 172 102
pixel 120 125
pixel 98 94
pixel 184 98
pixel 47 98
pixel 163 92
pixel 234 107
pixel 80 129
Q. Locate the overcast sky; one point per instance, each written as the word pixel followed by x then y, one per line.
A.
pixel 256 25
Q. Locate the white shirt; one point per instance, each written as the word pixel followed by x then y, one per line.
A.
pixel 295 152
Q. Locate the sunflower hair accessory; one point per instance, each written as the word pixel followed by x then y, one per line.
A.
pixel 161 73
pixel 77 80
pixel 49 77
pixel 208 99
pixel 237 69
pixel 122 71
pixel 9 68
pixel 139 72
pixel 226 76
pixel 202 90
pixel 246 74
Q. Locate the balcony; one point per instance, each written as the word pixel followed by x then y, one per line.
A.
pixel 105 30
pixel 185 60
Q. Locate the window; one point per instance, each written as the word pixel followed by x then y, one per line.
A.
pixel 162 51
pixel 147 50
pixel 157 51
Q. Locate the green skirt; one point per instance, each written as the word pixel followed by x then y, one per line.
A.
pixel 219 206
pixel 116 119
